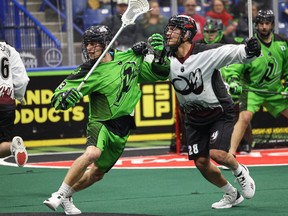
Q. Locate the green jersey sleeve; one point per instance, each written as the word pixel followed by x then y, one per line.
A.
pixel 154 71
pixel 232 72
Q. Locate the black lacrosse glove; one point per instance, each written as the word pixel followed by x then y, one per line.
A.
pixel 66 99
pixel 252 47
pixel 140 48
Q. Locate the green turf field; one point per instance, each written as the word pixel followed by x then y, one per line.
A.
pixel 171 192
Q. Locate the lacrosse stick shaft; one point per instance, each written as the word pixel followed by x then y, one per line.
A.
pixel 250 21
pixel 100 58
pixel 266 92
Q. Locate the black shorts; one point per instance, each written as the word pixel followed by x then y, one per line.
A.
pixel 6 125
pixel 217 135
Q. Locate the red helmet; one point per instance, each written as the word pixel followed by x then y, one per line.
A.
pixel 185 23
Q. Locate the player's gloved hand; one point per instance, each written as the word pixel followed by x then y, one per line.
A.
pixel 140 48
pixel 156 42
pixel 70 98
pixel 67 99
pixel 235 88
pixel 252 47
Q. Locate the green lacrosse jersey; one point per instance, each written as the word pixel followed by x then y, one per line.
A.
pixel 265 72
pixel 112 87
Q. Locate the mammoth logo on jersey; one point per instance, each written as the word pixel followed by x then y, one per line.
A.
pixel 191 84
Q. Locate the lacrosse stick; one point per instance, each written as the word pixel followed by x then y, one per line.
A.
pixel 250 23
pixel 135 9
pixel 266 92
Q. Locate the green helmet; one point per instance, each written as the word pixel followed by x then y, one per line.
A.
pixel 213 25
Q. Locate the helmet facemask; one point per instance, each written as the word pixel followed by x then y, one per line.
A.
pixel 212 26
pixel 186 24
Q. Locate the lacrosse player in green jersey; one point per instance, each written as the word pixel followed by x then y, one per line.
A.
pixel 265 73
pixel 113 92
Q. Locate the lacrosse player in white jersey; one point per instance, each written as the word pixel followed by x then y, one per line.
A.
pixel 207 105
pixel 13 83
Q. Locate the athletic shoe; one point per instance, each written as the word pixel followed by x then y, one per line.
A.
pixel 19 151
pixel 69 207
pixel 54 201
pixel 246 182
pixel 229 200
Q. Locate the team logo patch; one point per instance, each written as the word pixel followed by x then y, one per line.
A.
pixel 213 137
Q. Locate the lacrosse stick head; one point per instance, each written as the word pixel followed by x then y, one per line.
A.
pixel 135 9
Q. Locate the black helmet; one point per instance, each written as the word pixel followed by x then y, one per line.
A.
pixel 99 33
pixel 185 23
pixel 213 25
pixel 264 15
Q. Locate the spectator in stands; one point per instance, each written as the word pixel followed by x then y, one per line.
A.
pixel 13 82
pixel 265 74
pixel 218 11
pixel 242 29
pixel 190 10
pixel 129 35
pixel 151 22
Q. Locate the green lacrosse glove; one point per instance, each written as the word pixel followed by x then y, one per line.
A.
pixel 156 42
pixel 235 88
pixel 67 99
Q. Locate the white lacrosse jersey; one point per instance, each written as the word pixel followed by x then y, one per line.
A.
pixel 13 76
pixel 198 83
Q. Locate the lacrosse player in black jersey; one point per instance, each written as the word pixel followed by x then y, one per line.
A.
pixel 207 105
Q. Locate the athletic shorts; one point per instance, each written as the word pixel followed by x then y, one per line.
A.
pixel 111 145
pixel 251 101
pixel 6 125
pixel 217 135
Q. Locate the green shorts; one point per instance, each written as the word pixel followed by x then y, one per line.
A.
pixel 251 101
pixel 111 145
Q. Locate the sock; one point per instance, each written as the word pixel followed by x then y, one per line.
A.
pixel 11 149
pixel 70 192
pixel 64 189
pixel 228 188
pixel 238 170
